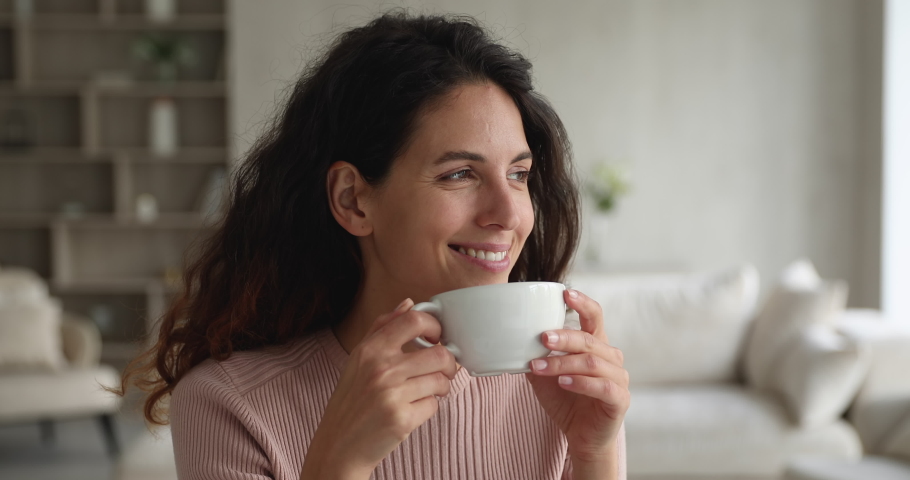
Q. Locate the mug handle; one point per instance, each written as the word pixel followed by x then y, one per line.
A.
pixel 435 310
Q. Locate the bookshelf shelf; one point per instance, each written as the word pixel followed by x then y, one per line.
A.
pixel 71 181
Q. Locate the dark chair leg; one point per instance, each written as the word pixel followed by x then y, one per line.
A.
pixel 107 426
pixel 47 432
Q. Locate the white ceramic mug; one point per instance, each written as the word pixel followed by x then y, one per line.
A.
pixel 495 329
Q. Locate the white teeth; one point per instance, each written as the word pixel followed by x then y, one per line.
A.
pixel 483 255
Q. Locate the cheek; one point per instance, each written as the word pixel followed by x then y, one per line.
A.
pixel 417 225
pixel 527 218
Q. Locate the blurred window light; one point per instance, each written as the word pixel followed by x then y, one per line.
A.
pixel 896 162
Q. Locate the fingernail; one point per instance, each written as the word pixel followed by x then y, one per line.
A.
pixel 539 364
pixel 552 338
pixel 400 305
pixel 565 380
pixel 573 293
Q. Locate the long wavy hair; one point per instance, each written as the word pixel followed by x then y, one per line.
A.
pixel 278 266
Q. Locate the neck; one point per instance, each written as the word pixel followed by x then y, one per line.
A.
pixel 368 305
pixel 378 295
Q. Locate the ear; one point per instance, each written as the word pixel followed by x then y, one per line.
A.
pixel 347 193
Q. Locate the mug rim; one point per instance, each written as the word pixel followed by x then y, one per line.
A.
pixel 499 285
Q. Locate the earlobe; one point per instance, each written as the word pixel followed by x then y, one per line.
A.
pixel 346 189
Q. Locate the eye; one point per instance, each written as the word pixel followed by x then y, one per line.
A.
pixel 521 176
pixel 460 175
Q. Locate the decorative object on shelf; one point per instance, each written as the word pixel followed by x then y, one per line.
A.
pixel 146 208
pixel 163 127
pixel 16 130
pixel 172 276
pixel 166 52
pixel 72 209
pixel 212 198
pixel 103 316
pixel 160 11
pixel 606 185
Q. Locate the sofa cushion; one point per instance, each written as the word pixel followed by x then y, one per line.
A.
pixel 28 396
pixel 883 402
pixel 713 429
pixel 796 302
pixel 30 336
pixel 679 327
pixel 820 375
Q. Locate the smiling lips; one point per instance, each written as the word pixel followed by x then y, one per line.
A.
pixel 491 257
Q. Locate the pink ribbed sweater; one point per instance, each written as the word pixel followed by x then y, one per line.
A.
pixel 252 417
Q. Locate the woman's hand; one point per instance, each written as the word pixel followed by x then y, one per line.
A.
pixel 383 395
pixel 587 391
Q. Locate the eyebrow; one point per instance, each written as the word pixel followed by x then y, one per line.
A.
pixel 476 157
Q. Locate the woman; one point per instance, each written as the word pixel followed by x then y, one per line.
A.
pixel 413 159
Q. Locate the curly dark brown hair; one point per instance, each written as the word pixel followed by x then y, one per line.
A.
pixel 279 266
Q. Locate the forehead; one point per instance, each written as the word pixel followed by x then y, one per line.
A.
pixel 481 118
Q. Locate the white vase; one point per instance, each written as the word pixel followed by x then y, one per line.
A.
pixel 163 127
pixel 596 231
pixel 146 208
pixel 160 11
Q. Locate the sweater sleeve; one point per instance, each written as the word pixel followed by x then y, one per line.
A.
pixel 213 430
pixel 620 452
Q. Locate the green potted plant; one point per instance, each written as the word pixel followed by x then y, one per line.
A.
pixel 606 185
pixel 166 52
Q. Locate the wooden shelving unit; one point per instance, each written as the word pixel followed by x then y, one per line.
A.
pixel 68 201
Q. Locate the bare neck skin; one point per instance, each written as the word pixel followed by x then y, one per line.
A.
pixel 370 303
pixel 379 295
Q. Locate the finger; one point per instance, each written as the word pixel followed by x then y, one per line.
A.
pixel 410 325
pixel 385 318
pixel 424 409
pixel 425 386
pixel 575 341
pixel 602 389
pixel 590 315
pixel 585 364
pixel 429 360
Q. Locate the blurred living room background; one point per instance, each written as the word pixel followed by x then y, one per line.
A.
pixel 746 175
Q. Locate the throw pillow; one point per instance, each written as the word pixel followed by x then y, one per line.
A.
pixel 30 336
pixel 820 375
pixel 791 306
pixel 676 328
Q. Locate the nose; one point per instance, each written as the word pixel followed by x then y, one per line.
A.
pixel 499 205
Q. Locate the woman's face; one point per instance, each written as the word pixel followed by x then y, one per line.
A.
pixel 455 210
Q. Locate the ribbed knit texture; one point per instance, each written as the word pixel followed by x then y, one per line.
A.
pixel 253 415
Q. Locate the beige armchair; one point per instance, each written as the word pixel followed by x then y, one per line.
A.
pixel 74 390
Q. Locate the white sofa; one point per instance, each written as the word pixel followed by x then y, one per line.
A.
pixel 49 361
pixel 696 414
pixel 881 410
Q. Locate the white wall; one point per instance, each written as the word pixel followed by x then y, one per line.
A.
pixel 737 119
pixel 896 189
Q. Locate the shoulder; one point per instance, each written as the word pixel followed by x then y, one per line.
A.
pixel 244 371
